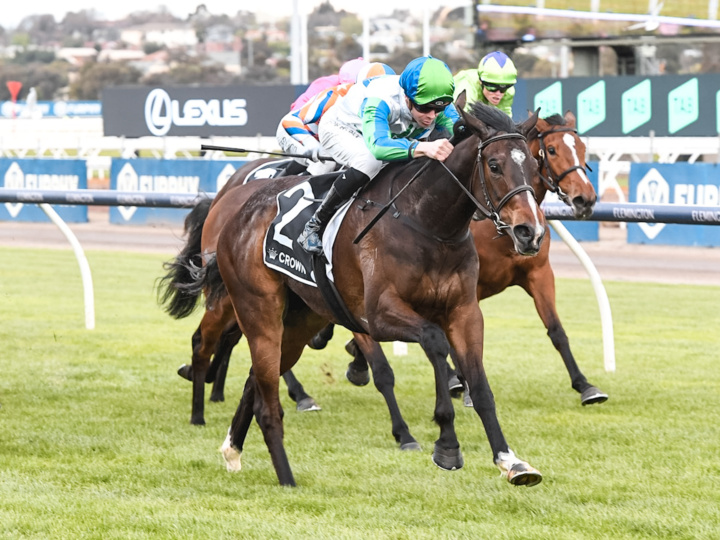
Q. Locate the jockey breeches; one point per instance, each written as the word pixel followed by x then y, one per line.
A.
pixel 346 145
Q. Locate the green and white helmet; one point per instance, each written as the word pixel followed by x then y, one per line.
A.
pixel 497 68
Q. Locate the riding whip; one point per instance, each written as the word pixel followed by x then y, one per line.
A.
pixel 244 150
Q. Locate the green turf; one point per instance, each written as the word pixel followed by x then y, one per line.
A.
pixel 95 440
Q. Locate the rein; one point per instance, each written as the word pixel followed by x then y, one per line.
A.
pixel 490 210
pixel 553 184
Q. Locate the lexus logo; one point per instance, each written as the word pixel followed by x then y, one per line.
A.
pixel 161 112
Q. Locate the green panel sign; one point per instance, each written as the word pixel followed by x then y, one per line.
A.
pixel 636 106
pixel 549 100
pixel 591 107
pixel 683 106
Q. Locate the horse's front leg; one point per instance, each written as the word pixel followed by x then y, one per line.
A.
pixel 465 331
pixel 397 321
pixel 540 285
pixel 384 380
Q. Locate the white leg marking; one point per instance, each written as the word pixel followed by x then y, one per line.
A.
pixel 505 462
pixel 569 140
pixel 231 455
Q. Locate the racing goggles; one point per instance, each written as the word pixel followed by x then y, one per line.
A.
pixel 493 87
pixel 436 106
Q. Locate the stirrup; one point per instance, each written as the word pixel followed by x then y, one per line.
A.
pixel 310 240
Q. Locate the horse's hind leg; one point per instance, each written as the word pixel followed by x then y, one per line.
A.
pixel 541 286
pixel 304 401
pixel 212 326
pixel 217 372
pixel 321 339
pixel 384 380
pixel 232 446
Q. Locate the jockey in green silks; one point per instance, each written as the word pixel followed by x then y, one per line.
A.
pixel 492 83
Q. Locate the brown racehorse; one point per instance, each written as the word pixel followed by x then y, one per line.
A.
pixel 412 283
pixel 561 153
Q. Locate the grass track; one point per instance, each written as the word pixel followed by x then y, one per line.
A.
pixel 95 440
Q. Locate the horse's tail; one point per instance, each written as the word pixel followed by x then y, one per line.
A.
pixel 179 289
pixel 212 282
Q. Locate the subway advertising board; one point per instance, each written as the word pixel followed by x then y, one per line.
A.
pixel 43 175
pixel 669 105
pixel 675 183
pixel 182 176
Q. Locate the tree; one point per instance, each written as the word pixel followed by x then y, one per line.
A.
pixel 95 76
pixel 46 78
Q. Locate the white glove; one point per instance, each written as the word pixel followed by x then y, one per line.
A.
pixel 312 154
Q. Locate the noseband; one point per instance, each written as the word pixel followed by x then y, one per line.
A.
pixel 553 184
pixel 490 210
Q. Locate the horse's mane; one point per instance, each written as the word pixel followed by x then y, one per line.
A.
pixel 493 117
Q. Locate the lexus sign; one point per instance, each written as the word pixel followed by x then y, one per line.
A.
pixel 237 111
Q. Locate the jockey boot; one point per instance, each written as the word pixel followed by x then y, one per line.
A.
pixel 310 237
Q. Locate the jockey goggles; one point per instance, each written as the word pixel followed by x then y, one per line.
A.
pixel 493 87
pixel 437 106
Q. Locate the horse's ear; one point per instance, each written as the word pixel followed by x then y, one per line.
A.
pixel 570 119
pixel 529 124
pixel 461 101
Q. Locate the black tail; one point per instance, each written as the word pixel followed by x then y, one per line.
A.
pixel 178 290
pixel 212 281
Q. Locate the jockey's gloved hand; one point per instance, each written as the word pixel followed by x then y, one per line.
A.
pixel 312 154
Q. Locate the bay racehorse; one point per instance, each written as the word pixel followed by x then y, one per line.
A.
pixel 411 283
pixel 561 156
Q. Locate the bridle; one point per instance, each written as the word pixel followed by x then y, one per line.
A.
pixel 491 210
pixel 552 183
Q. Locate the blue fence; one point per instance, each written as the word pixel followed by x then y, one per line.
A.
pixel 35 175
pixel 675 184
pixel 178 177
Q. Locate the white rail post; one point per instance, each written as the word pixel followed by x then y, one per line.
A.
pixel 600 293
pixel 82 262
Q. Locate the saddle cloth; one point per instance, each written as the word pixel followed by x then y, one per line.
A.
pixel 271 169
pixel 295 207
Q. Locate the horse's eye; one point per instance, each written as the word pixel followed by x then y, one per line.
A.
pixel 494 168
pixel 551 150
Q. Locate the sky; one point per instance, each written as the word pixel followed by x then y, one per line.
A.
pixel 14 11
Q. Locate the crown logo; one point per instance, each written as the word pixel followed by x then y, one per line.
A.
pixel 272 253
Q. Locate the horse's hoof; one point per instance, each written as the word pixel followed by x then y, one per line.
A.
pixel 518 472
pixel 307 404
pixel 357 377
pixel 449 459
pixel 231 455
pixel 455 386
pixel 197 421
pixel 351 348
pixel 467 400
pixel 185 371
pixel 593 395
pixel 414 445
pixel 522 474
pixel 318 342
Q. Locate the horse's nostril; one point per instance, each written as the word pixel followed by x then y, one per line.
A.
pixel 523 233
